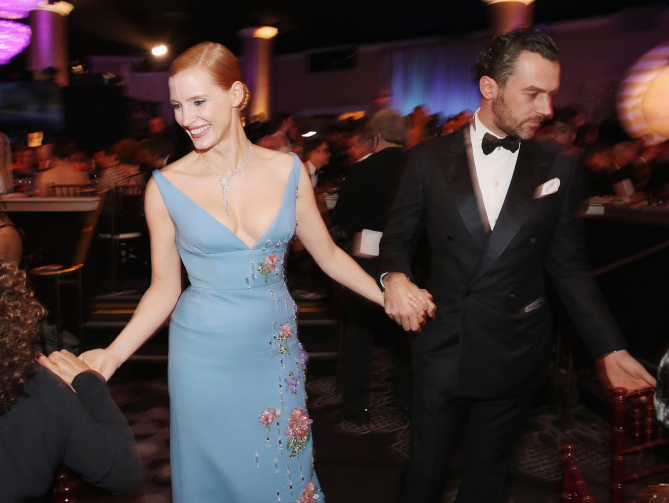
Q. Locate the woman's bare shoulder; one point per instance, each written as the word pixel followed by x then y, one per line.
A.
pixel 182 166
pixel 278 162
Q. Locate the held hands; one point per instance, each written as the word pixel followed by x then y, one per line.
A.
pixel 621 370
pixel 101 360
pixel 64 364
pixel 405 303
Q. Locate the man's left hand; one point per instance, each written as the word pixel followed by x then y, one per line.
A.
pixel 621 370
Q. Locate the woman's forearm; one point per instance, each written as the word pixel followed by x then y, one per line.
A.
pixel 153 309
pixel 344 270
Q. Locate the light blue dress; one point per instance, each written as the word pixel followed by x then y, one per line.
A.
pixel 240 431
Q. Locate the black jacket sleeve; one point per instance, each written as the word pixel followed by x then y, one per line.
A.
pixel 568 265
pixel 101 446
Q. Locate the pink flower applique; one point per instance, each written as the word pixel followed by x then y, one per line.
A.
pixel 268 416
pixel 298 431
pixel 285 333
pixel 309 494
pixel 268 264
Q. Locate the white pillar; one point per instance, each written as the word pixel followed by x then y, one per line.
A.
pixel 506 15
pixel 48 46
pixel 256 68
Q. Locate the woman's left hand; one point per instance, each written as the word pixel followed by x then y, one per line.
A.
pixel 64 364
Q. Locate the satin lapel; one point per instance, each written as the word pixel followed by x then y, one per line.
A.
pixel 517 206
pixel 458 178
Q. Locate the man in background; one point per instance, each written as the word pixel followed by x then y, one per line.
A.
pixel 361 211
pixel 316 155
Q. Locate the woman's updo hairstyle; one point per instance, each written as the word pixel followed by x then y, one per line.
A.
pixel 217 61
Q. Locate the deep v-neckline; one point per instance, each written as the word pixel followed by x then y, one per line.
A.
pixel 212 217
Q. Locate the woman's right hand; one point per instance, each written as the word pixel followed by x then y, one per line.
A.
pixel 64 364
pixel 102 361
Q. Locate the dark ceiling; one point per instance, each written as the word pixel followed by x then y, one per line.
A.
pixel 124 27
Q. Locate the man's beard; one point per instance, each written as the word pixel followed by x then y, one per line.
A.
pixel 507 122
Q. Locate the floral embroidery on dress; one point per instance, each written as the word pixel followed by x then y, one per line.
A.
pixel 285 333
pixel 309 493
pixel 292 382
pixel 298 431
pixel 268 416
pixel 268 265
pixel 304 357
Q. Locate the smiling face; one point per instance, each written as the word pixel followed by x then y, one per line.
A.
pixel 205 110
pixel 519 108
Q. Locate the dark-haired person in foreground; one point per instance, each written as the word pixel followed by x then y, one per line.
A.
pixel 43 422
pixel 499 212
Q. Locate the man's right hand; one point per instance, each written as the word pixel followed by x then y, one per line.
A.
pixel 405 303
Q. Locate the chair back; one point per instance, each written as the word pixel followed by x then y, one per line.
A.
pixel 124 225
pixel 574 488
pixel 63 488
pixel 75 190
pixel 639 443
pixel 124 211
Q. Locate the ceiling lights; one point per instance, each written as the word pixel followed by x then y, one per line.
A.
pixel 14 37
pixel 17 9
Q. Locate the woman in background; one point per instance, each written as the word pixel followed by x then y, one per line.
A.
pixel 43 422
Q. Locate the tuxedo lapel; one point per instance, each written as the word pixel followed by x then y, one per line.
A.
pixel 517 206
pixel 459 181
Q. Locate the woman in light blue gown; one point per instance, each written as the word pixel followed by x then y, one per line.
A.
pixel 240 431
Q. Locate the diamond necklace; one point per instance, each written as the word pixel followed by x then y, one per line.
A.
pixel 225 182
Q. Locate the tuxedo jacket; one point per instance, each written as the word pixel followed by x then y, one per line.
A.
pixel 492 335
pixel 368 191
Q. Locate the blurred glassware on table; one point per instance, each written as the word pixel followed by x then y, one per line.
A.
pixel 24 186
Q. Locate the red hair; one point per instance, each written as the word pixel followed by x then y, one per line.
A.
pixel 217 61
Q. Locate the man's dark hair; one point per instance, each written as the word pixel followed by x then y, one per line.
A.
pixel 277 120
pixel 159 146
pixel 63 147
pixel 498 59
pixel 128 151
pixel 313 143
pixel 363 132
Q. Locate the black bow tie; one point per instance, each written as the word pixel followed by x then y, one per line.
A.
pixel 491 142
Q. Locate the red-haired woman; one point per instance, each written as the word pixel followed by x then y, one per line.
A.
pixel 229 210
pixel 43 422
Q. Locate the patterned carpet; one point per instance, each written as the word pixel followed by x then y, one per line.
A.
pixel 363 463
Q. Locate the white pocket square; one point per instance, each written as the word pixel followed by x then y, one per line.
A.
pixel 548 188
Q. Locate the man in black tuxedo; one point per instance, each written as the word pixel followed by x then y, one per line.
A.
pixel 499 211
pixel 362 210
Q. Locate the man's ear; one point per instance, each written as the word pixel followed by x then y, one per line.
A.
pixel 488 87
pixel 237 91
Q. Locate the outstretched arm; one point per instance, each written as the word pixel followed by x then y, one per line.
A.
pixel 100 445
pixel 333 260
pixel 160 298
pixel 405 224
pixel 567 263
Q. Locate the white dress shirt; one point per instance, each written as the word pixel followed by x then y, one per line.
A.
pixel 493 171
pixel 313 173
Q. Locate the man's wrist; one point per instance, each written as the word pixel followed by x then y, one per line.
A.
pixel 387 278
pixel 381 284
pixel 611 352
